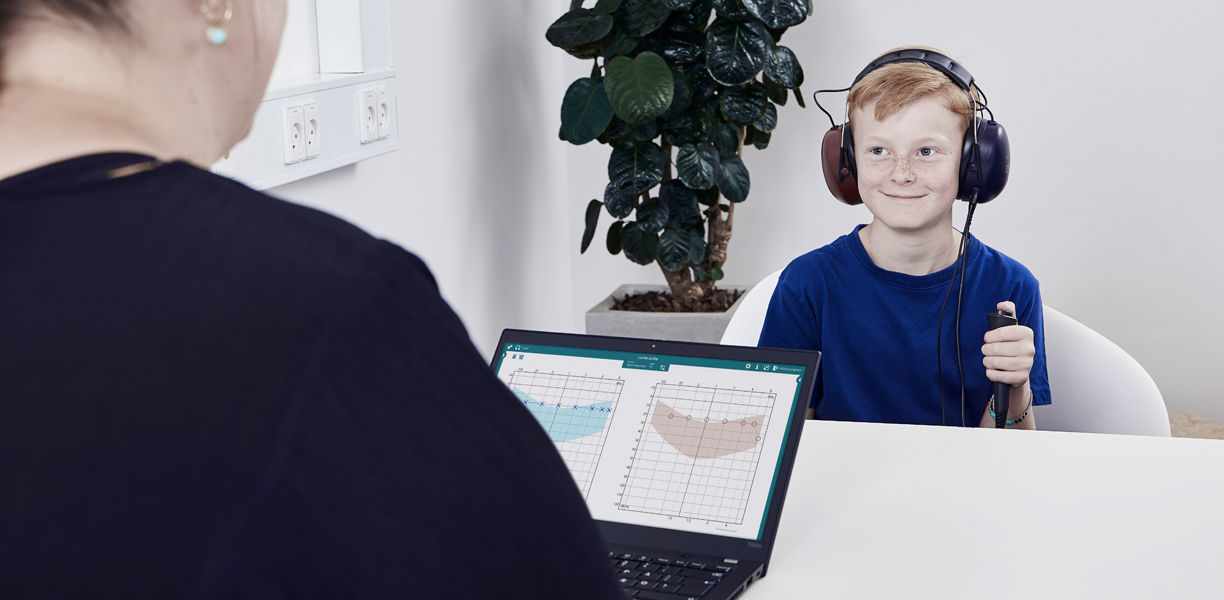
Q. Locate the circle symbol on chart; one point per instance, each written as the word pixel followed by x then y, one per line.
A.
pixel 688 418
pixel 742 423
pixel 758 438
pixel 754 423
pixel 724 421
pixel 670 415
pixel 707 419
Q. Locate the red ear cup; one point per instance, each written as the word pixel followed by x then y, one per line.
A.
pixel 837 173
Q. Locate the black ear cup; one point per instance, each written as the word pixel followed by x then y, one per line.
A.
pixel 986 164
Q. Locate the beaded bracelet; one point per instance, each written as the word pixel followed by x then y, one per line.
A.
pixel 990 408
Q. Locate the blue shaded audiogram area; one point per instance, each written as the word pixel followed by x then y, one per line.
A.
pixel 566 422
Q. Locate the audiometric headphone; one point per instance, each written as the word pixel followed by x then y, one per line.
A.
pixel 985 157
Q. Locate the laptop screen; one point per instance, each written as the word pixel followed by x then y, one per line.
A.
pixel 662 440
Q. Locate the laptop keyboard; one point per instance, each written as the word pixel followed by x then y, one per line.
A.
pixel 660 578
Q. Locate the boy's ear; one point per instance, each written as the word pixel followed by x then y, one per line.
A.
pixel 839 165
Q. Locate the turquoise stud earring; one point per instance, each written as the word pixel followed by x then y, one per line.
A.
pixel 216 32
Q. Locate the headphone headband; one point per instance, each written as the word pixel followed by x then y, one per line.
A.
pixel 935 60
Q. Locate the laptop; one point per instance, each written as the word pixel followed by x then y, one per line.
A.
pixel 683 451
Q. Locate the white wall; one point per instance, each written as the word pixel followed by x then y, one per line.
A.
pixel 1110 108
pixel 477 188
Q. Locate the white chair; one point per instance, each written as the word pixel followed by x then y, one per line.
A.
pixel 1096 387
pixel 745 326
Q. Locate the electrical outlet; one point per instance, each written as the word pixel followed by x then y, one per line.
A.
pixel 384 113
pixel 314 137
pixel 295 134
pixel 369 116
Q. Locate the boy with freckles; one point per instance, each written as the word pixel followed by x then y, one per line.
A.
pixel 871 300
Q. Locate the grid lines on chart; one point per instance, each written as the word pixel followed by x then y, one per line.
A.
pixel 575 411
pixel 699 451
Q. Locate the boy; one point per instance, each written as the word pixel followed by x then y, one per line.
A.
pixel 871 300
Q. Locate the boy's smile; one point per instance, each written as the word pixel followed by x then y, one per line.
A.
pixel 908 165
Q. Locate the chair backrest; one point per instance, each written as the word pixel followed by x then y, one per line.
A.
pixel 1096 387
pixel 745 326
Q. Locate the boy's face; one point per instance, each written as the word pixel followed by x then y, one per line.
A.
pixel 908 164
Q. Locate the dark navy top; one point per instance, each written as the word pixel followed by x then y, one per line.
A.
pixel 876 331
pixel 206 392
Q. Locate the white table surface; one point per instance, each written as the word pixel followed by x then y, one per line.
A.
pixel 889 511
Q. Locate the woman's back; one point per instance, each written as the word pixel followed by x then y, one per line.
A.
pixel 205 391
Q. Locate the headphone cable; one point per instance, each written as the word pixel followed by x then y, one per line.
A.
pixel 959 267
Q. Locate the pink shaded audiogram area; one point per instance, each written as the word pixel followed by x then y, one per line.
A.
pixel 699 437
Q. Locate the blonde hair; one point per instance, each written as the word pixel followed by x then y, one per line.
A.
pixel 895 86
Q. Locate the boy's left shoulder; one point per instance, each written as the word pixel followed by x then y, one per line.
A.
pixel 993 261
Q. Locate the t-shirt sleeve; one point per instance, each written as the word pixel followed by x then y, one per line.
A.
pixel 406 469
pixel 1030 315
pixel 790 321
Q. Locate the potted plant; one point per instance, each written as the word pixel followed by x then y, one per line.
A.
pixel 687 83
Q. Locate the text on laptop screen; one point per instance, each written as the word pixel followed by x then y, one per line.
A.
pixel 677 442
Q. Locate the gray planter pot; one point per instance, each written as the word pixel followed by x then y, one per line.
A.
pixel 683 327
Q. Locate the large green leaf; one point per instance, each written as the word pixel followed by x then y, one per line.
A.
pixel 614 237
pixel 675 249
pixel 726 137
pixel 689 127
pixel 578 27
pixel 697 243
pixel 636 167
pixel 641 247
pixel 731 9
pixel 620 44
pixel 778 14
pixel 760 141
pixel 652 215
pixel 732 178
pixel 782 66
pixel 707 197
pixel 768 121
pixel 736 50
pixel 679 4
pixel 640 89
pixel 585 111
pixel 778 94
pixel 682 93
pixel 640 17
pixel 616 133
pixel 743 104
pixel 646 131
pixel 697 165
pixel 619 205
pixel 676 47
pixel 682 208
pixel 695 18
pixel 704 85
pixel 604 7
pixel 592 219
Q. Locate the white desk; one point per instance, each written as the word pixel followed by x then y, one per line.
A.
pixel 901 511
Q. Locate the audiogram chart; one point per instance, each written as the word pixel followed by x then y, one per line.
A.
pixel 575 411
pixel 698 453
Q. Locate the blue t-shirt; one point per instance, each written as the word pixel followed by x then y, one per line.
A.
pixel 876 331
